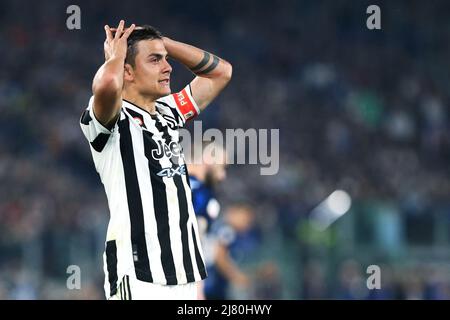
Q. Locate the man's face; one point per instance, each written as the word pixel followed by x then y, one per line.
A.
pixel 151 72
pixel 241 219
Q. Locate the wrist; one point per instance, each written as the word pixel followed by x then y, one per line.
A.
pixel 116 58
pixel 167 42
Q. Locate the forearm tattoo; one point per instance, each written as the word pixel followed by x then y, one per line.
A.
pixel 206 59
pixel 202 63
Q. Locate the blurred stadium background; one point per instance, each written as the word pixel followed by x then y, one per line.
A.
pixel 358 110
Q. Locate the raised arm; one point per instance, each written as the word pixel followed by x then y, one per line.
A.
pixel 108 81
pixel 227 268
pixel 212 73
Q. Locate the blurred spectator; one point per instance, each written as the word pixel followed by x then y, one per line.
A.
pixel 233 241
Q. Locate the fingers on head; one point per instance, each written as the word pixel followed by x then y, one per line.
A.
pixel 120 29
pixel 129 31
pixel 108 32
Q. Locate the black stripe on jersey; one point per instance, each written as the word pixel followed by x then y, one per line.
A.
pixel 183 208
pixel 161 209
pixel 85 117
pixel 128 287
pixel 111 266
pixel 139 246
pixel 198 257
pixel 176 115
pixel 151 115
pixel 122 295
pixel 124 285
pixel 188 180
pixel 100 142
pixel 124 288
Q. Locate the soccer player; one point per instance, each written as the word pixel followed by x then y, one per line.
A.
pixel 153 249
pixel 231 236
pixel 205 173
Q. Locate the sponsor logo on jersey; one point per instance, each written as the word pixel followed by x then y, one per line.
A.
pixel 173 149
pixel 138 121
pixel 171 172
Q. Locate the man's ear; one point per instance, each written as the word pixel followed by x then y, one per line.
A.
pixel 128 72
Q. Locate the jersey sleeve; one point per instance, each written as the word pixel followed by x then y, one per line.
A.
pixel 180 106
pixel 96 133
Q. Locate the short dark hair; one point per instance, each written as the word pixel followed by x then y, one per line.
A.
pixel 144 32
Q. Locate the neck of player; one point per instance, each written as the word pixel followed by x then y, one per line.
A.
pixel 143 102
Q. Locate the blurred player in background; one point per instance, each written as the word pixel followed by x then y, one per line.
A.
pixel 206 171
pixel 153 249
pixel 220 236
pixel 229 237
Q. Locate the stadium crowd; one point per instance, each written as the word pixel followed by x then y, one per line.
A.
pixel 359 110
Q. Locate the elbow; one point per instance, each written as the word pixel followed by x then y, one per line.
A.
pixel 105 85
pixel 227 72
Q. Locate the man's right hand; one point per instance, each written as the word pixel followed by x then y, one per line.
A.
pixel 115 46
pixel 108 81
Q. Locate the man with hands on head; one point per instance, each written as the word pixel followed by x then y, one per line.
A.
pixel 153 249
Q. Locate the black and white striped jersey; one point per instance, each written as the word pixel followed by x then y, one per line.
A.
pixel 152 234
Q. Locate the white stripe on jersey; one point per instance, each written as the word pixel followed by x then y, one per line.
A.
pixel 151 213
pixel 175 231
pixel 145 186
